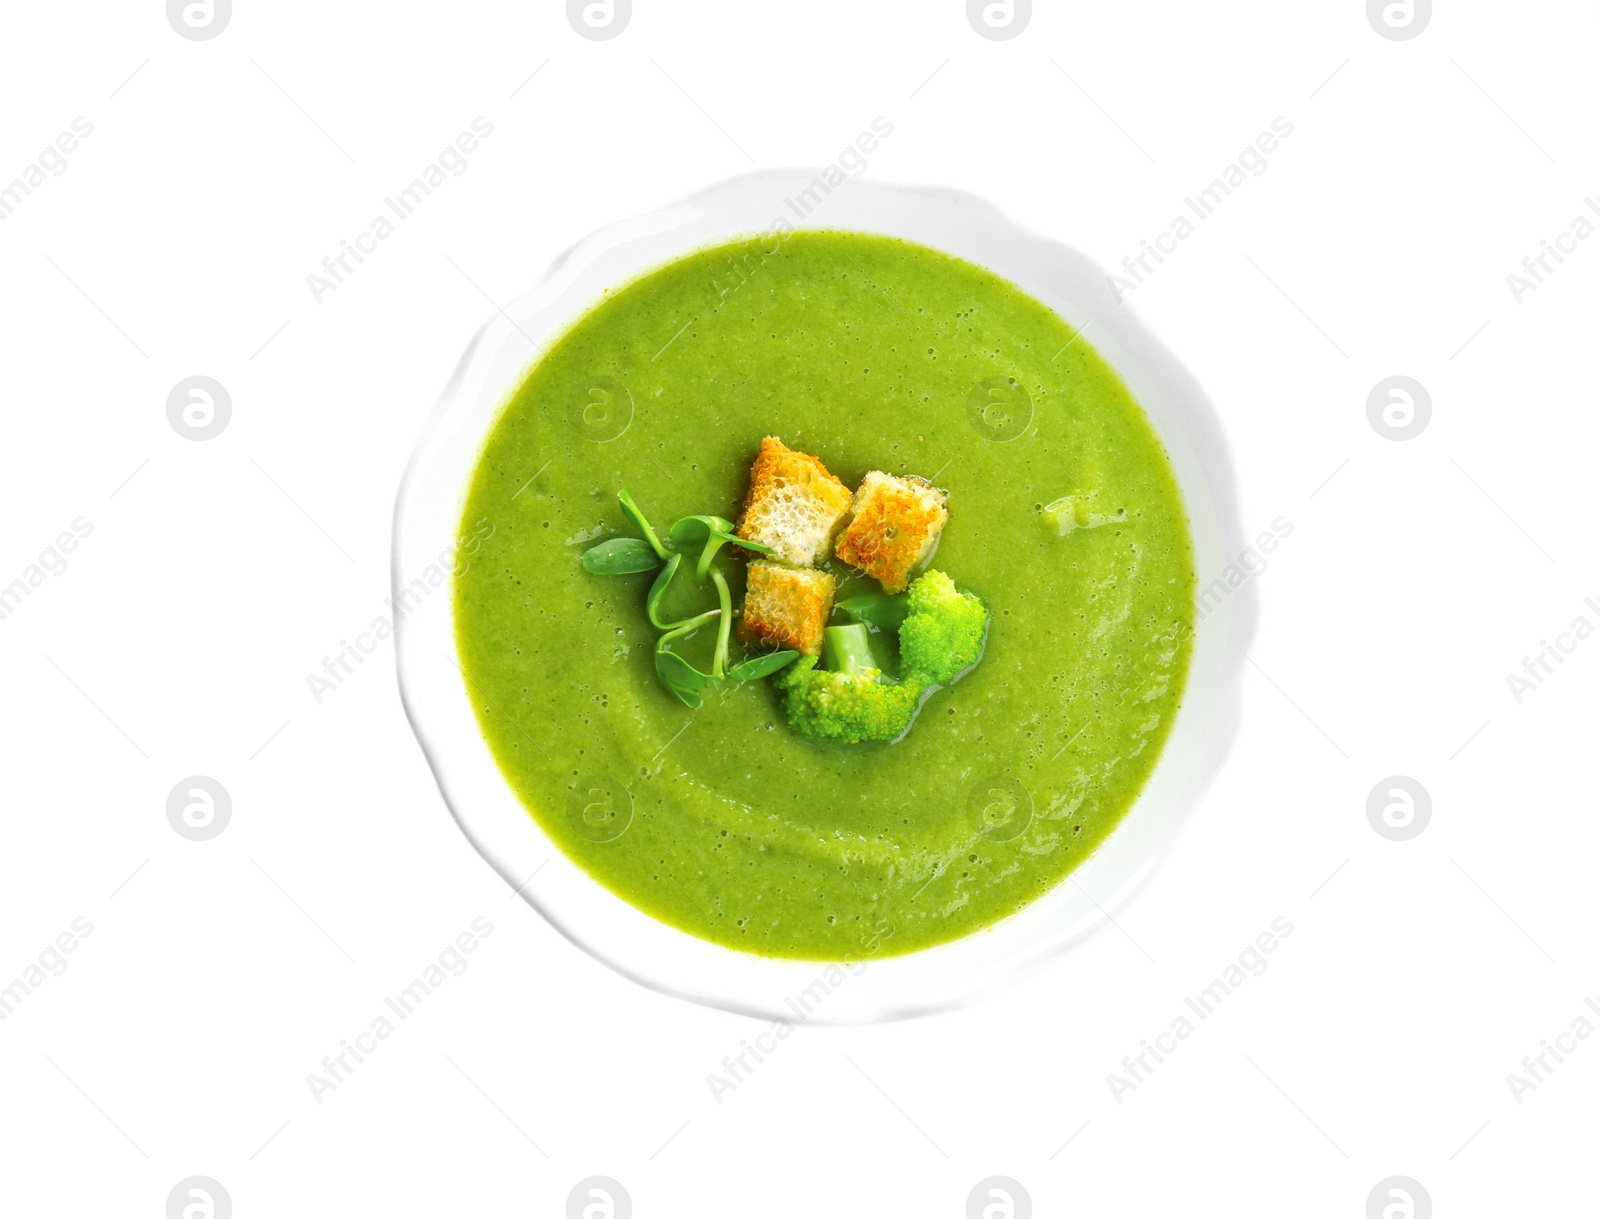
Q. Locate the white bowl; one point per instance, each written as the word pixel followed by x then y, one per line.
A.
pixel 434 693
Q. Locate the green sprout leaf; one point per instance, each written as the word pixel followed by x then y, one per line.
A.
pixel 636 515
pixel 682 678
pixel 878 610
pixel 658 590
pixel 620 557
pixel 677 674
pixel 694 528
pixel 761 666
pixel 717 532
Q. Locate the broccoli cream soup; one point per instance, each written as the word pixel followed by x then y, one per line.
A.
pixel 866 757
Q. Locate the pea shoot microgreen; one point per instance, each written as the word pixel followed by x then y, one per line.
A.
pixel 761 666
pixel 717 531
pixel 636 515
pixel 677 674
pixel 719 662
pixel 620 557
pixel 657 590
pixel 627 556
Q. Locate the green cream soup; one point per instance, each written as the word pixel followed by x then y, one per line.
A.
pixel 870 353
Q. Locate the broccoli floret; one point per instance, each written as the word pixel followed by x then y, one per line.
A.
pixel 851 700
pixel 942 636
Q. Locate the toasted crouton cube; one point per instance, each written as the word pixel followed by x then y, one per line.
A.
pixel 794 505
pixel 786 607
pixel 895 524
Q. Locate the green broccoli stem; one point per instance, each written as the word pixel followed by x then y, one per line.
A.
pixel 847 649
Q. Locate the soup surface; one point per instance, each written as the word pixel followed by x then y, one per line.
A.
pixel 871 353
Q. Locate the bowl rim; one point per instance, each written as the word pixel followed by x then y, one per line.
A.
pixel 564 295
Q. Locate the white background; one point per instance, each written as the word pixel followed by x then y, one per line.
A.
pixel 219 574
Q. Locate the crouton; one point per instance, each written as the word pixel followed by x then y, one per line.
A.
pixel 786 607
pixel 895 525
pixel 794 505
